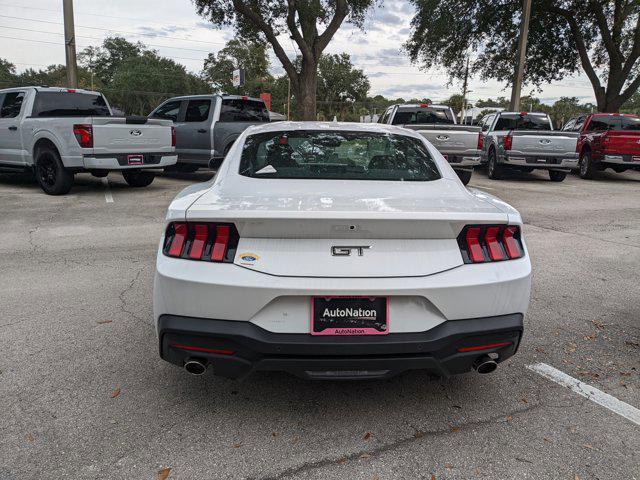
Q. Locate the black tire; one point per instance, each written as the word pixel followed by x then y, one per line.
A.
pixel 50 173
pixel 494 170
pixel 464 176
pixel 587 167
pixel 557 176
pixel 136 178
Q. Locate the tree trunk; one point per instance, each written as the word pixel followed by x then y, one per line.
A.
pixel 305 91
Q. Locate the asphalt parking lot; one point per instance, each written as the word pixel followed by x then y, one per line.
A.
pixel 85 395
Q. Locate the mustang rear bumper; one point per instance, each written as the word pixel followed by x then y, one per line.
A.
pixel 234 349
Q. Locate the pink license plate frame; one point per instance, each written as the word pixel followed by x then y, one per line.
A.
pixel 349 331
pixel 136 159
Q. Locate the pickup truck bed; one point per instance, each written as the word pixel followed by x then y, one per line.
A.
pixel 58 132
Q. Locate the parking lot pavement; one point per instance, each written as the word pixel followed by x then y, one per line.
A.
pixel 85 395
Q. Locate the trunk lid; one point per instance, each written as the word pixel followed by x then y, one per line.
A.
pixel 323 228
pixel 115 135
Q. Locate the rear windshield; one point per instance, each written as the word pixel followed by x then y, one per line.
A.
pixel 423 115
pixel 240 110
pixel 522 122
pixel 614 122
pixel 337 155
pixel 68 104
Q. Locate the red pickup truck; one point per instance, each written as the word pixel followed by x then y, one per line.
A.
pixel 607 140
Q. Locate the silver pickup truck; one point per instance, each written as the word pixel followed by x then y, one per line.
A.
pixel 459 144
pixel 526 141
pixel 207 125
pixel 58 132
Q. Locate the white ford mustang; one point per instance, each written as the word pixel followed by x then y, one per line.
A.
pixel 338 250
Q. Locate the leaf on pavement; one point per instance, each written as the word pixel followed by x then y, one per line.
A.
pixel 367 436
pixel 237 445
pixel 364 456
pixel 586 445
pixel 115 393
pixel 455 429
pixel 102 322
pixel 418 434
pixel 163 474
pixel 448 466
pixel 30 438
pixel 509 418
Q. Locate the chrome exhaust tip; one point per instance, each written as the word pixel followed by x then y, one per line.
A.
pixel 195 366
pixel 485 364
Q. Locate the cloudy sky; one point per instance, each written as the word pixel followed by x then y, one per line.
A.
pixel 31 36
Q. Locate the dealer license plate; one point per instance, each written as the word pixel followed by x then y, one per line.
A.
pixel 349 315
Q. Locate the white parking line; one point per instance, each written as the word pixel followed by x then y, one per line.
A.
pixel 591 393
pixel 107 193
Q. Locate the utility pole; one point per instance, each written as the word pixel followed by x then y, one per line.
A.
pixel 463 113
pixel 522 50
pixel 70 44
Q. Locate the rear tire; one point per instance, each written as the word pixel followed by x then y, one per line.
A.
pixel 494 170
pixel 50 173
pixel 557 176
pixel 136 178
pixel 587 167
pixel 464 176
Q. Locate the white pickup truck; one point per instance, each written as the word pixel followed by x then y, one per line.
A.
pixel 526 141
pixel 459 144
pixel 58 132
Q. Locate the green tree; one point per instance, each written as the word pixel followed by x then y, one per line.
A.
pixel 455 102
pixel 567 107
pixel 7 74
pixel 340 86
pixel 600 36
pixel 55 76
pixel 499 102
pixel 135 78
pixel 249 55
pixel 279 21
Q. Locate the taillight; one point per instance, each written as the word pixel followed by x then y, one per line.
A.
pixel 480 141
pixel 507 142
pixel 84 135
pixel 173 136
pixel 209 242
pixel 490 243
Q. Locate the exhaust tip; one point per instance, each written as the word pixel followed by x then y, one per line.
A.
pixel 485 364
pixel 195 367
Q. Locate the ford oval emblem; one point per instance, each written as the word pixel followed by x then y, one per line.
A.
pixel 442 138
pixel 135 133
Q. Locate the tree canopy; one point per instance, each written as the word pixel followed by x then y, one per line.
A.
pixel 136 79
pixel 251 56
pixel 298 20
pixel 601 37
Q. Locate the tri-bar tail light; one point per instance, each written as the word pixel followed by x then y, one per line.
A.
pixel 490 243
pixel 204 241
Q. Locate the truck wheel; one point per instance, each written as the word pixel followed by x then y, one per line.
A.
pixel 136 178
pixel 51 175
pixel 464 176
pixel 493 169
pixel 587 168
pixel 557 176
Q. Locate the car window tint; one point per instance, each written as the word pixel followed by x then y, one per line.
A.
pixel 630 123
pixel 337 155
pixel 70 104
pixel 423 115
pixel 569 126
pixel 243 110
pixel 168 111
pixel 523 122
pixel 198 110
pixel 11 105
pixel 602 123
pixel 579 124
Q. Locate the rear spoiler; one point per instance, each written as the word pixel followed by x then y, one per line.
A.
pixel 136 120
